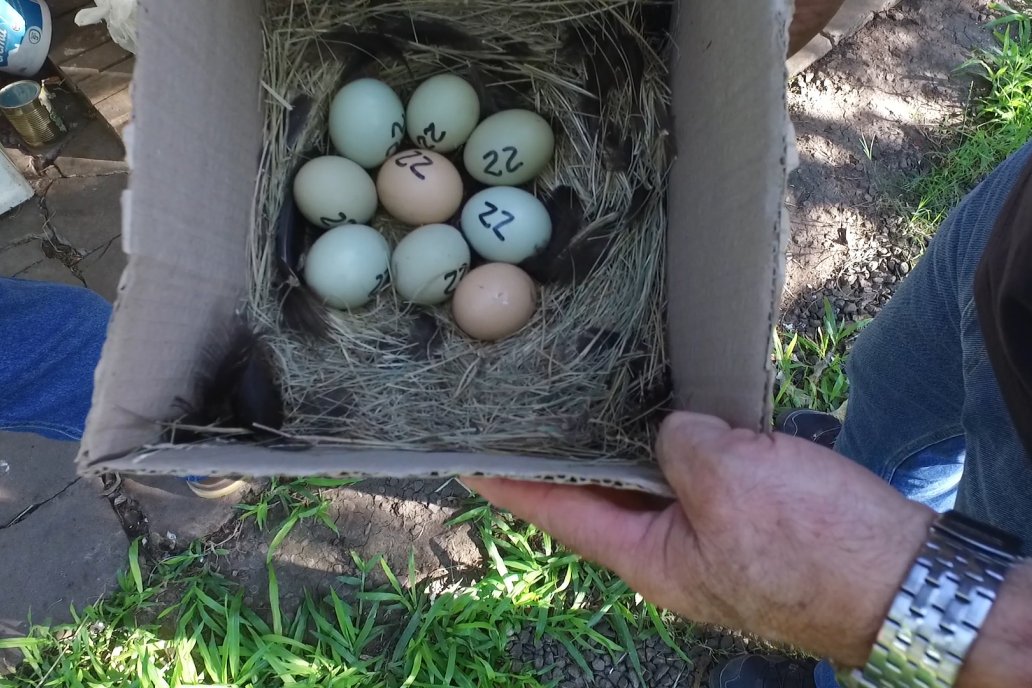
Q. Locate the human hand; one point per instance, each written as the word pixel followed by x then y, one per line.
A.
pixel 770 534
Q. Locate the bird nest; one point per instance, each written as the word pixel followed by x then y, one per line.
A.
pixel 587 376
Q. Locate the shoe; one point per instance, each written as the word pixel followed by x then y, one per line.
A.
pixel 819 428
pixel 213 488
pixel 758 671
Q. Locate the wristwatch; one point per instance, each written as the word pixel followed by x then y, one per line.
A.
pixel 940 608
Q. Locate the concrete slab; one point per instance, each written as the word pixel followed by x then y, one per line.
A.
pixel 102 269
pixel 32 470
pixel 174 512
pixel 94 150
pixel 814 50
pixel 66 552
pixel 86 211
pixel 24 221
pixel 50 270
pixel 17 259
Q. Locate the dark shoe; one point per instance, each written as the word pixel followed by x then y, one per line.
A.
pixel 820 428
pixel 757 671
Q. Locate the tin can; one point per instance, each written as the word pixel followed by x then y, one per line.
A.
pixel 23 104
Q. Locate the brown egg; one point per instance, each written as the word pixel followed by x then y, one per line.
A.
pixel 494 301
pixel 419 187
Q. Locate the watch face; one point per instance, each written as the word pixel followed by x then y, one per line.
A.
pixel 979 535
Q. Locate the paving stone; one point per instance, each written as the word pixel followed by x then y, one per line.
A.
pixel 92 151
pixel 853 15
pixel 15 260
pixel 66 552
pixel 86 211
pixel 24 221
pixel 71 40
pixel 102 269
pixel 32 470
pixel 813 51
pixel 174 512
pixel 95 60
pixel 50 270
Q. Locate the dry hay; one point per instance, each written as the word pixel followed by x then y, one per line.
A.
pixel 586 377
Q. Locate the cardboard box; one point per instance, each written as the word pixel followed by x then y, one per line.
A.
pixel 194 156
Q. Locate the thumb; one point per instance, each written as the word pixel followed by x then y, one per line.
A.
pixel 691 450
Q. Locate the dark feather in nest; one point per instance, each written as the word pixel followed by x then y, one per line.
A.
pixel 238 389
pixel 611 56
pixel 300 310
pixel 575 247
pixel 428 32
pixel 425 337
pixel 361 52
pixel 494 96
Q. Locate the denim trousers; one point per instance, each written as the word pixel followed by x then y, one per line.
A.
pixel 925 411
pixel 50 341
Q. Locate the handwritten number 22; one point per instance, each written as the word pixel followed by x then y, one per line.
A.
pixel 496 228
pixel 492 157
pixel 405 161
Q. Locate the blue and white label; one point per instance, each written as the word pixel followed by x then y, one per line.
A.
pixel 24 36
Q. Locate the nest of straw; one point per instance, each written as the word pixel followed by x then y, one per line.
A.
pixel 586 377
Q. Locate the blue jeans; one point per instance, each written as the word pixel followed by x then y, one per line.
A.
pixel 925 411
pixel 50 341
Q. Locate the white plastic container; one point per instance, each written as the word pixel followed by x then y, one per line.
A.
pixel 25 33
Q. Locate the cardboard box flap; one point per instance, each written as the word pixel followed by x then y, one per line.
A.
pixel 187 211
pixel 725 200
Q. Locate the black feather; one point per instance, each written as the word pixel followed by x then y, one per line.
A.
pixel 575 247
pixel 495 95
pixel 361 52
pixel 300 310
pixel 428 32
pixel 619 151
pixel 237 389
pixel 611 56
pixel 425 336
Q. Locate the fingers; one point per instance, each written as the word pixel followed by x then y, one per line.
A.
pixel 605 528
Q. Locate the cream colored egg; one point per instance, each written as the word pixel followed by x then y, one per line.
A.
pixel 419 187
pixel 506 224
pixel 509 148
pixel 332 191
pixel 367 122
pixel 348 265
pixel 494 301
pixel 442 113
pixel 429 263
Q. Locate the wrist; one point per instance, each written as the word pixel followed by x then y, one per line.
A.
pixel 901 550
pixel 1000 656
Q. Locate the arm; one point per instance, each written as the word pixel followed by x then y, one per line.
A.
pixel 773 535
pixel 810 17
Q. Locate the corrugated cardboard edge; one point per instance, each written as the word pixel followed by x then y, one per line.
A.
pixel 301 461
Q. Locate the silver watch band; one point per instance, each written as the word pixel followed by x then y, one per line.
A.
pixel 938 612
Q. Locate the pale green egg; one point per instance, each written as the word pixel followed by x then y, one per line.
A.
pixel 348 265
pixel 509 148
pixel 442 113
pixel 429 263
pixel 367 122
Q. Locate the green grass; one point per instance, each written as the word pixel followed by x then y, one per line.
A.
pixel 999 121
pixel 182 623
pixel 811 371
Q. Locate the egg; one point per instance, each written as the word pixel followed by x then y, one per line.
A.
pixel 331 191
pixel 367 122
pixel 348 265
pixel 509 148
pixel 419 187
pixel 442 113
pixel 506 224
pixel 494 301
pixel 429 264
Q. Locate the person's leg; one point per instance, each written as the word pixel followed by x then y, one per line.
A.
pixel 906 419
pixel 50 341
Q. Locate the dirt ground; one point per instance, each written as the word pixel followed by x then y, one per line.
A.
pixel 866 116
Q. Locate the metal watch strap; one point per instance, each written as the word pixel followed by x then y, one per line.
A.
pixel 940 608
